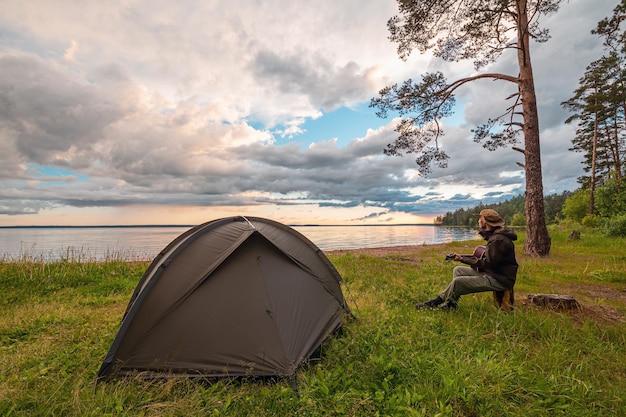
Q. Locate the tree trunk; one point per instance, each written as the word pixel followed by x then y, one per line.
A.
pixel 538 240
pixel 618 159
pixel 594 156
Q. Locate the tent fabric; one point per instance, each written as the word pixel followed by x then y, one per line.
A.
pixel 232 297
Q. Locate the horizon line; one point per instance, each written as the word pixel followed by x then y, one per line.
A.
pixel 52 226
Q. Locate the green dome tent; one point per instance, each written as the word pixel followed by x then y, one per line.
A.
pixel 232 297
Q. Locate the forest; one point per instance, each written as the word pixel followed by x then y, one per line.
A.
pixel 512 211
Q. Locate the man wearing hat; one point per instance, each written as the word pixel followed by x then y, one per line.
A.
pixel 496 270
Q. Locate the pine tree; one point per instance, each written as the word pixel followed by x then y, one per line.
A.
pixel 599 107
pixel 479 30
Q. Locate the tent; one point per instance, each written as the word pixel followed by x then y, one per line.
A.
pixel 231 297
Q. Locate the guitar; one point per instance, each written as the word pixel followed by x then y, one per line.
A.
pixel 479 253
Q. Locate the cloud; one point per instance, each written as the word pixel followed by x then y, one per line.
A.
pixel 70 53
pixel 314 77
pixel 48 115
pixel 205 104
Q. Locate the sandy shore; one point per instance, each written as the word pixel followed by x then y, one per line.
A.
pixel 388 250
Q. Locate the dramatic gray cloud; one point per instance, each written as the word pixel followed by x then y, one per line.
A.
pixel 106 108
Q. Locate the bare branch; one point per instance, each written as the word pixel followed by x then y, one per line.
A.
pixel 513 95
pixel 496 76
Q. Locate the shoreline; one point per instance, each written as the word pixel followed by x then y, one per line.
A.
pixel 388 250
pixel 378 251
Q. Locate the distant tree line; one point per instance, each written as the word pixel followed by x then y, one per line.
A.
pixel 512 211
pixel 610 214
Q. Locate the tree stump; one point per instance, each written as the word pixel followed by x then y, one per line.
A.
pixel 574 235
pixel 504 300
pixel 556 301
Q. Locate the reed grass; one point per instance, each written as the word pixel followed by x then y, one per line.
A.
pixel 57 320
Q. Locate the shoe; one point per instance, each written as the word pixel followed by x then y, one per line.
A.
pixel 449 306
pixel 429 304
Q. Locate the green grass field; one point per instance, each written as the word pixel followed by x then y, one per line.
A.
pixel 57 321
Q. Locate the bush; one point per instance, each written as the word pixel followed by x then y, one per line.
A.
pixel 518 219
pixel 576 206
pixel 616 226
pixel 591 220
pixel 610 199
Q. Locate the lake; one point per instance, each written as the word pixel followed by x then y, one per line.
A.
pixel 145 242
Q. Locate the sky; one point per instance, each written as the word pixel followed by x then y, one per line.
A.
pixel 130 112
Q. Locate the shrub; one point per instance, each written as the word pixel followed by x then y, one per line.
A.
pixel 518 219
pixel 616 226
pixel 610 199
pixel 591 220
pixel 576 206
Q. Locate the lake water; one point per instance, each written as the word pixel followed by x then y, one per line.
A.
pixel 144 243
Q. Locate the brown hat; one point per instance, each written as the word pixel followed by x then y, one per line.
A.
pixel 491 217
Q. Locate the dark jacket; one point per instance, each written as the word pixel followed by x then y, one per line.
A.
pixel 499 260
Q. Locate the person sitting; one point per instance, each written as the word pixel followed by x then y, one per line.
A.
pixel 496 270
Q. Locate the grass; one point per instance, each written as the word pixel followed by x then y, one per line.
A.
pixel 57 321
